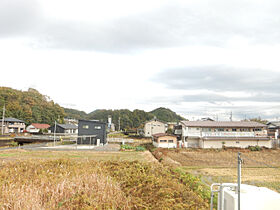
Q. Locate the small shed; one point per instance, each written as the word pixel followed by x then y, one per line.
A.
pixel 165 140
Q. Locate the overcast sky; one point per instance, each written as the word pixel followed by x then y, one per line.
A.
pixel 199 58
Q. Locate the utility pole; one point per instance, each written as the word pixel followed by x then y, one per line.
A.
pixel 230 118
pixel 54 133
pixel 3 119
pixel 239 161
pixel 119 123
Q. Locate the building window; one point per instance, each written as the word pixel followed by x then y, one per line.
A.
pixel 85 126
pixel 221 129
pixel 97 127
pixel 234 129
pixel 237 142
pixel 163 141
pixel 170 141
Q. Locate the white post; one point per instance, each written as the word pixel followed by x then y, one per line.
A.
pixel 239 160
pixel 54 133
pixel 3 119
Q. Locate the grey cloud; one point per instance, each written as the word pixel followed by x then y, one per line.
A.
pixel 169 26
pixel 18 17
pixel 221 78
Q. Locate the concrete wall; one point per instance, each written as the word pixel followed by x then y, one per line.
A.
pixel 235 143
pixel 193 143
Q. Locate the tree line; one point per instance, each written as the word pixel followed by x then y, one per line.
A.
pixel 30 106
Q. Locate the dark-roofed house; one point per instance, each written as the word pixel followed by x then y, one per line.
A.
pixel 65 128
pixel 92 128
pixel 273 129
pixel 165 140
pixel 218 134
pixel 12 125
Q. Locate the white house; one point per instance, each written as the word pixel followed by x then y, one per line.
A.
pixel 153 127
pixel 216 134
pixel 36 127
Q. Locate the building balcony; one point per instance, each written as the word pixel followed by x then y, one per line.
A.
pixel 226 134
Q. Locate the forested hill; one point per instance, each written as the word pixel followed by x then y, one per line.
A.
pixel 128 119
pixel 30 106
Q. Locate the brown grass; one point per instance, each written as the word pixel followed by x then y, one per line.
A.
pixel 54 184
pixel 221 165
pixel 74 182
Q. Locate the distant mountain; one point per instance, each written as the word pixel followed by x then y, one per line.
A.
pixel 30 106
pixel 166 115
pixel 128 119
pixel 76 114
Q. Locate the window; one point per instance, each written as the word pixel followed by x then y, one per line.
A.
pixel 170 141
pixel 163 140
pixel 221 129
pixel 85 126
pixel 234 129
pixel 197 129
pixel 237 142
pixel 97 127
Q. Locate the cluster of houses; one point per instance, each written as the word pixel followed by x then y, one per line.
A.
pixel 82 129
pixel 213 134
pixel 205 133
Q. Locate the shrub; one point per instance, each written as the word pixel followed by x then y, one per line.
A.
pixel 139 148
pixel 14 144
pixel 126 146
pixel 254 148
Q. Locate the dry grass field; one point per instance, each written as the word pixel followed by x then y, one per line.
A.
pixel 221 165
pixel 91 180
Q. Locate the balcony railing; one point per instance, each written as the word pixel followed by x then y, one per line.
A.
pixel 226 134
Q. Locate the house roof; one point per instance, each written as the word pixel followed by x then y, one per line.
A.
pixel 68 126
pixel 273 124
pixel 40 126
pixel 162 134
pixel 11 119
pixel 223 124
pixel 96 121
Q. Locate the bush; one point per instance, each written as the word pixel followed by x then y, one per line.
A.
pixel 254 148
pixel 126 146
pixel 14 144
pixel 139 148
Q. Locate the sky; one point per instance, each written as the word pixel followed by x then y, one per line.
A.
pixel 198 58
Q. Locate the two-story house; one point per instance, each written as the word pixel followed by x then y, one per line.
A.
pixel 12 125
pixel 153 127
pixel 217 134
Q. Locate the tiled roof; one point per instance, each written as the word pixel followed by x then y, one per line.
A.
pixel 162 134
pixel 40 126
pixel 223 124
pixel 68 126
pixel 11 119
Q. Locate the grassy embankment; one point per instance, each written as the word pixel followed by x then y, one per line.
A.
pixel 221 165
pixel 83 180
